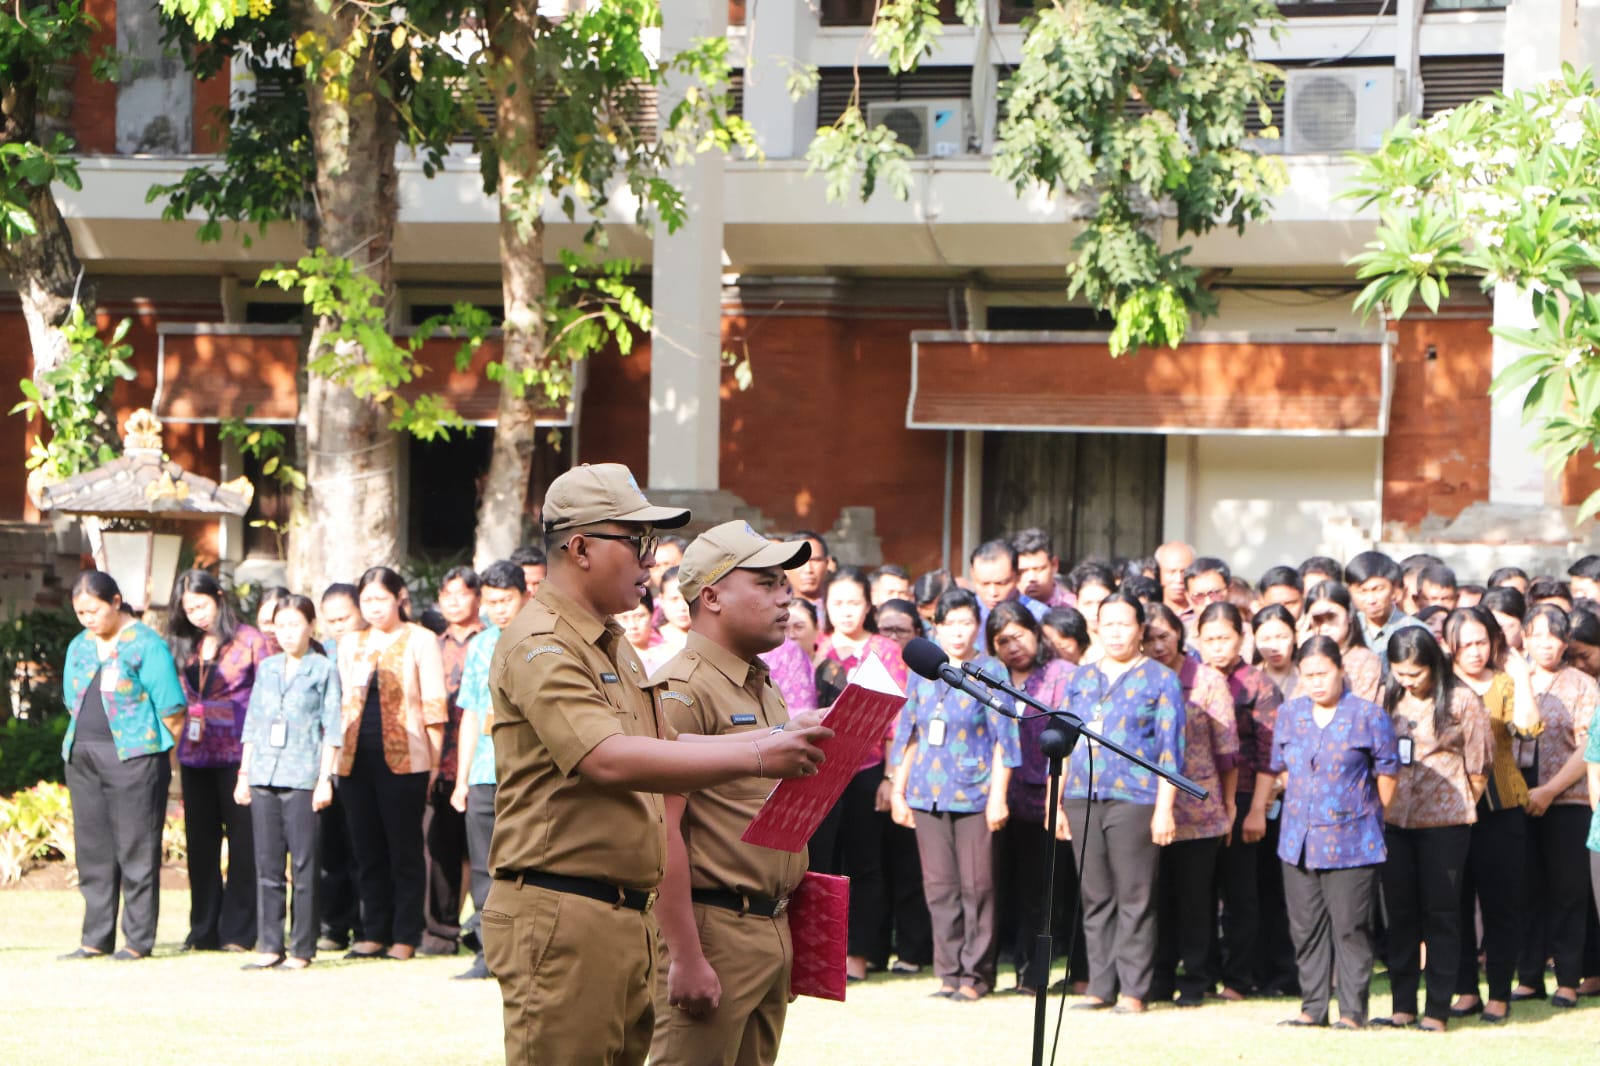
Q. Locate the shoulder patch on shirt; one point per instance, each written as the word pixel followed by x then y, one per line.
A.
pixel 534 653
pixel 743 719
pixel 682 697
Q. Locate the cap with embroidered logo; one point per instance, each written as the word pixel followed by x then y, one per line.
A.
pixel 734 546
pixel 603 492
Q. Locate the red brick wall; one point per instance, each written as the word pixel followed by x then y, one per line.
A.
pixel 15 356
pixel 1436 456
pixel 94 103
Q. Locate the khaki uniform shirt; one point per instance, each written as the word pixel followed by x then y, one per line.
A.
pixel 708 690
pixel 561 682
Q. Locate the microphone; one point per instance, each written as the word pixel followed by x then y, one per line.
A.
pixel 926 659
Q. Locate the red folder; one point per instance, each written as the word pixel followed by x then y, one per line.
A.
pixel 819 926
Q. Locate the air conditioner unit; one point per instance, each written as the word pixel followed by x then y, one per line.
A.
pixel 1339 109
pixel 937 128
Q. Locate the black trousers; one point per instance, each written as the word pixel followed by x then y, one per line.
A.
pixel 286 834
pixel 1330 918
pixel 1255 950
pixel 1111 839
pixel 1422 897
pixel 338 901
pixel 221 910
pixel 383 811
pixel 479 831
pixel 1021 849
pixel 445 830
pixel 913 929
pixel 862 832
pixel 1186 923
pixel 117 812
pixel 1557 878
pixel 1492 887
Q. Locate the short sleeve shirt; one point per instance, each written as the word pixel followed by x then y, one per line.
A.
pixel 562 681
pixel 1332 814
pixel 1565 708
pixel 1211 747
pixel 707 690
pixel 1435 790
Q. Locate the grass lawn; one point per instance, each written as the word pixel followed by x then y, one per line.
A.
pixel 202 1009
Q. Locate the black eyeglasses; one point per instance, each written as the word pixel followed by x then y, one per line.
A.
pixel 643 543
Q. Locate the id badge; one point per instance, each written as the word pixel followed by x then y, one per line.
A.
pixel 1527 754
pixel 936 732
pixel 1275 810
pixel 278 735
pixel 109 676
pixel 1404 744
pixel 1096 727
pixel 196 729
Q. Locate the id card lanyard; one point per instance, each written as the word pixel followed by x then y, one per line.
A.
pixel 196 728
pixel 938 726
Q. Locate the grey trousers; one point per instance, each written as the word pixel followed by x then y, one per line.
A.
pixel 1111 841
pixel 286 828
pixel 1330 918
pixel 958 880
pixel 480 828
pixel 117 811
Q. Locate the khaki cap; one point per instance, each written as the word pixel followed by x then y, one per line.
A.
pixel 734 546
pixel 604 492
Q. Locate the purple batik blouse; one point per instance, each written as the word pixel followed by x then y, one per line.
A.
pixel 1332 816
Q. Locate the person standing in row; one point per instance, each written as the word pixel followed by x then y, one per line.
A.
pixel 1121 815
pixel 1492 881
pixel 290 743
pixel 952 759
pixel 217 657
pixel 722 907
pixel 1329 612
pixel 503 590
pixel 1336 759
pixel 444 827
pixel 338 899
pixel 122 689
pixel 579 843
pixel 1445 752
pixel 1376 584
pixel 394 717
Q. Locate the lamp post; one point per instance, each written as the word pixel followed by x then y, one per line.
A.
pixel 133 509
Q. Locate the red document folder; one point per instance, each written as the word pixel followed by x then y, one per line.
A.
pixel 859 720
pixel 819 925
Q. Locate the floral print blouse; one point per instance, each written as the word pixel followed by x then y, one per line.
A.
pixel 1332 817
pixel 1566 707
pixel 1211 748
pixel 218 694
pixel 1142 709
pixel 138 686
pixel 411 694
pixel 951 776
pixel 1434 790
pixel 307 703
pixel 1026 794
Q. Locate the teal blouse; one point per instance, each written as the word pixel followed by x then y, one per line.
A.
pixel 1591 753
pixel 474 697
pixel 138 687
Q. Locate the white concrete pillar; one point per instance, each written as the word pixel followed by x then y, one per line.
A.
pixel 1540 36
pixel 686 344
pixel 779 36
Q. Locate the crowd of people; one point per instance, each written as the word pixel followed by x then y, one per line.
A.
pixel 1392 757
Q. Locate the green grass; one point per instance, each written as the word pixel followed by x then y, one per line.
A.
pixel 202 1009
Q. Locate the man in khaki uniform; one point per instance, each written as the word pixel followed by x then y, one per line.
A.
pixel 722 907
pixel 579 841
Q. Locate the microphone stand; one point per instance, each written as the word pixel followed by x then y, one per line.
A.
pixel 1056 743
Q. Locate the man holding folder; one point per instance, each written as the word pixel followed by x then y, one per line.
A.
pixel 722 909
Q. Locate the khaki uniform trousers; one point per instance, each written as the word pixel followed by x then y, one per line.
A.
pixel 575 976
pixel 752 956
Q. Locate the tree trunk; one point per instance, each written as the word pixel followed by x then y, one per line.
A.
pixel 352 495
pixel 514 30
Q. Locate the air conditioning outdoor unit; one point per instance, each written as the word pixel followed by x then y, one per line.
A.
pixel 936 128
pixel 1339 109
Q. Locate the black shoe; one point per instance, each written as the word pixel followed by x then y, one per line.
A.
pixel 1563 1002
pixel 1523 997
pixel 478 972
pixel 1494 1019
pixel 276 959
pixel 331 943
pixel 1390 1023
pixel 1190 999
pixel 81 953
pixel 354 954
pixel 433 945
pixel 1467 1012
pixel 125 955
pixel 1302 1023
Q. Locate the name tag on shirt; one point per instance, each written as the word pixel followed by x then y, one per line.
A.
pixel 109 676
pixel 610 679
pixel 1404 744
pixel 278 735
pixel 936 732
pixel 744 719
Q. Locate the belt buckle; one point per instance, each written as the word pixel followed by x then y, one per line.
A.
pixel 650 899
pixel 780 907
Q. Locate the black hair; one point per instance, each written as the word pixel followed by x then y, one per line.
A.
pixel 1334 592
pixel 1285 576
pixel 1587 567
pixel 853 575
pixel 1583 627
pixel 811 534
pixel 1272 612
pixel 1069 622
pixel 905 607
pixel 669 574
pixel 468 577
pixel 673 540
pixel 931 585
pixel 97 583
pixel 1433 610
pixel 392 583
pixel 805 605
pixel 1146 589
pixel 530 555
pixel 1012 612
pixel 954 599
pixel 1472 590
pixel 1554 617
pixel 1221 611
pixel 183 636
pixel 1484 617
pixel 1207 564
pixel 1415 644
pixel 1549 588
pixel 342 588
pixel 1128 570
pixel 891 570
pixel 505 574
pixel 1507 599
pixel 1090 572
pixel 1321 564
pixel 1505 574
pixel 1437 574
pixel 993 551
pixel 306 610
pixel 1368 565
pixel 1131 600
pixel 1159 612
pixel 1417 563
pixel 1319 645
pixel 1033 540
pixel 271 597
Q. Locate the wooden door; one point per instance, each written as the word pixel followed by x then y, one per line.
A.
pixel 1095 493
